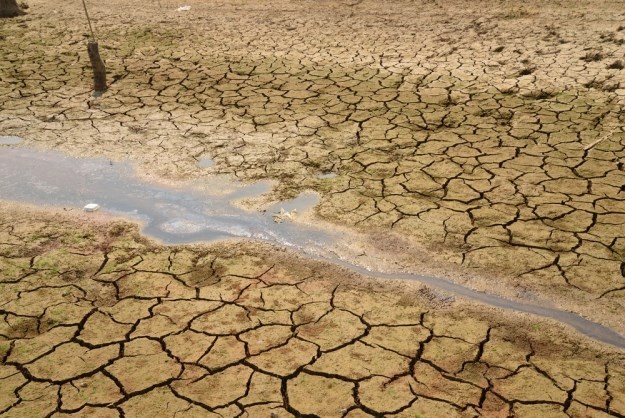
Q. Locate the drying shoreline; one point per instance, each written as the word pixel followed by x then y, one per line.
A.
pixel 477 141
pixel 178 216
pixel 274 324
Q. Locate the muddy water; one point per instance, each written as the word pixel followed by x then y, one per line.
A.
pixel 184 215
pixel 325 176
pixel 169 214
pixel 589 328
pixel 9 140
pixel 205 163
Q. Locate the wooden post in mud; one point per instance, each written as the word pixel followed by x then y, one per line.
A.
pixel 99 70
pixel 9 8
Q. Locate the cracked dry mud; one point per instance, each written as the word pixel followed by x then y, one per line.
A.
pixel 459 126
pixel 458 133
pixel 96 321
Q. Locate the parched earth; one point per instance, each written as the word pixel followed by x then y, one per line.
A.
pixel 482 138
pixel 463 127
pixel 98 322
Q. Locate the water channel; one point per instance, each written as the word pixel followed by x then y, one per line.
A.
pixel 179 215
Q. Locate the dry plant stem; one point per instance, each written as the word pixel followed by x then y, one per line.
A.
pixel 604 137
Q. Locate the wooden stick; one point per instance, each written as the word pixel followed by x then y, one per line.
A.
pixel 88 20
pixel 99 71
pixel 606 136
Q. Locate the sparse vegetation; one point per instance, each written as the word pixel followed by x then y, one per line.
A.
pixel 516 13
pixel 604 85
pixel 526 71
pixel 610 37
pixel 539 94
pixel 592 56
pixel 552 32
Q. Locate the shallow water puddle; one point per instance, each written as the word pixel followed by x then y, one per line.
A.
pixel 326 176
pixel 10 140
pixel 170 214
pixel 301 203
pixel 205 163
pixel 177 215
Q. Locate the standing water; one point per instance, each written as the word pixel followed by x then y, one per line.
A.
pixel 178 215
pixel 10 140
pixel 170 214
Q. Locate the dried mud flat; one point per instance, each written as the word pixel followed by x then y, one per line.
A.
pixel 462 132
pixel 99 322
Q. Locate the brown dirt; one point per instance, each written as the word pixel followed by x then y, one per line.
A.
pixel 460 127
pixel 462 138
pixel 241 329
